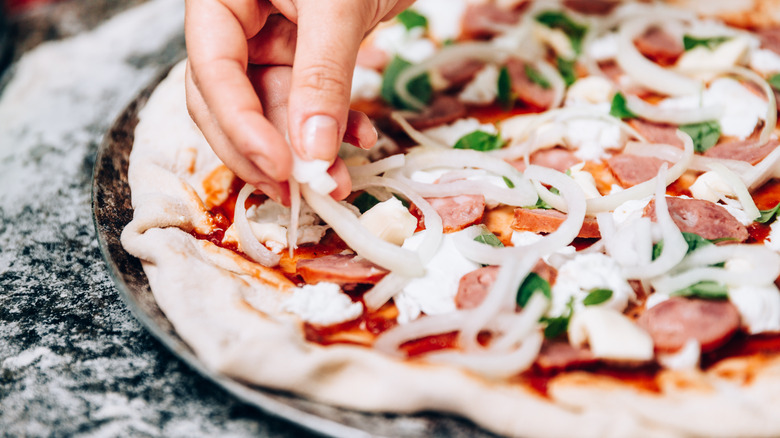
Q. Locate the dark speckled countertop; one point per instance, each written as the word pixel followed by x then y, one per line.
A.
pixel 73 360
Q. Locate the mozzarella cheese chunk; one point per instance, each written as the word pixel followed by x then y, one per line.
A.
pixel 410 44
pixel 483 89
pixel 604 48
pixel 433 293
pixel 759 307
pixel 585 180
pixel 685 359
pixel 591 138
pixel 728 54
pixel 389 221
pixel 444 17
pixel 710 186
pixel 366 84
pixel 451 133
pixel 765 61
pixel 323 304
pixel 591 90
pixel 556 39
pixel 314 173
pixel 585 272
pixel 610 335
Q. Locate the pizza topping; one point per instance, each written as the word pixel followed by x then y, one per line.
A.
pixel 458 212
pixel 558 355
pixel 746 150
pixel 546 221
pixel 443 110
pixel 631 169
pixel 674 321
pixel 610 335
pixel 759 307
pixel 487 20
pixel 532 92
pixel 339 269
pixel 584 273
pixel 659 46
pixel 322 304
pixel 707 219
pixel 390 221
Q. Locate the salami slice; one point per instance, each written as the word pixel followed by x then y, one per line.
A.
pixel 485 20
pixel 707 219
pixel 540 220
pixel 673 322
pixel 560 355
pixel 339 269
pixel 457 212
pixel 746 150
pixel 474 286
pixel 460 72
pixel 657 132
pixel 444 109
pixel 525 89
pixel 659 46
pixel 631 170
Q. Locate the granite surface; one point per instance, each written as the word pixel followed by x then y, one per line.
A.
pixel 73 360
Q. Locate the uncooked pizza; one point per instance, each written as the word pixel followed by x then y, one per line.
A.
pixel 568 226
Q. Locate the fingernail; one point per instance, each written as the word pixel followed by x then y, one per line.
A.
pixel 320 137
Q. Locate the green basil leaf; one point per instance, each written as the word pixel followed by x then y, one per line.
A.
pixel 705 134
pixel 558 325
pixel 689 42
pixel 693 240
pixel 558 20
pixel 365 201
pixel 505 96
pixel 488 238
pixel 536 77
pixel 707 289
pixel 566 68
pixel 768 215
pixel 480 141
pixel 597 296
pixel 619 108
pixel 411 19
pixel 774 81
pixel 508 182
pixel 420 86
pixel 532 283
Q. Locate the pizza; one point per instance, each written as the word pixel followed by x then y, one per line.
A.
pixel 568 226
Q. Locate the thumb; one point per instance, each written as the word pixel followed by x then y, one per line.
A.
pixel 329 35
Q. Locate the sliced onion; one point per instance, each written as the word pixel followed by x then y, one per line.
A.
pixel 675 116
pixel 389 341
pixel 377 167
pixel 674 248
pixel 385 289
pixel 246 238
pixel 523 325
pixel 357 237
pixel 739 188
pixel 771 110
pixel 414 134
pixel 482 51
pixel 768 168
pixel 699 163
pixel 557 83
pixel 295 215
pixel 494 365
pixel 645 72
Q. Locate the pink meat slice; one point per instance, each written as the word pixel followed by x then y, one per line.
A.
pixel 458 212
pixel 460 72
pixel 560 355
pixel 539 220
pixel 657 132
pixel 770 38
pixel 673 322
pixel 746 150
pixel 443 109
pixel 339 269
pixel 487 19
pixel 474 286
pixel 630 169
pixel 707 219
pixel 557 158
pixel 658 46
pixel 525 89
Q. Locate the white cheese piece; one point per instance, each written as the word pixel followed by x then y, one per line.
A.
pixel 389 221
pixel 710 186
pixel 610 335
pixel 773 239
pixel 764 61
pixel 759 307
pixel 450 134
pixel 323 304
pixel 366 84
pixel 444 17
pixel 521 128
pixel 742 109
pixel 483 89
pixel 734 207
pixel 604 48
pixel 269 222
pixel 728 54
pixel 434 293
pixel 314 173
pixel 630 210
pixel 592 138
pixel 585 272
pixel 408 44
pixel 589 91
pixel 556 39
pixel 685 359
pixel 585 180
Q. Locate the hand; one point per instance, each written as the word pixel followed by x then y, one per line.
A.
pixel 261 69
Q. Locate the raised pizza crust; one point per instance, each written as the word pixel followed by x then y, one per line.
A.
pixel 228 310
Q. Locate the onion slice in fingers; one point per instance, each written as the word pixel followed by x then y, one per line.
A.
pixel 246 238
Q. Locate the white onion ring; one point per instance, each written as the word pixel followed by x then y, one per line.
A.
pixel 675 116
pixel 771 110
pixel 645 72
pixel 377 167
pixel 739 188
pixel 768 167
pixel 389 340
pixel 357 237
pixel 295 215
pixel 246 238
pixel 414 134
pixel 522 325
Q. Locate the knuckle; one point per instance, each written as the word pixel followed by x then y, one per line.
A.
pixel 326 78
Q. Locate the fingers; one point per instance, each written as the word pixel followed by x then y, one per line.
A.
pixel 218 55
pixel 340 174
pixel 329 34
pixel 275 43
pixel 360 131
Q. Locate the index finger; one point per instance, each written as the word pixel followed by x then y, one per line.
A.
pixel 217 34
